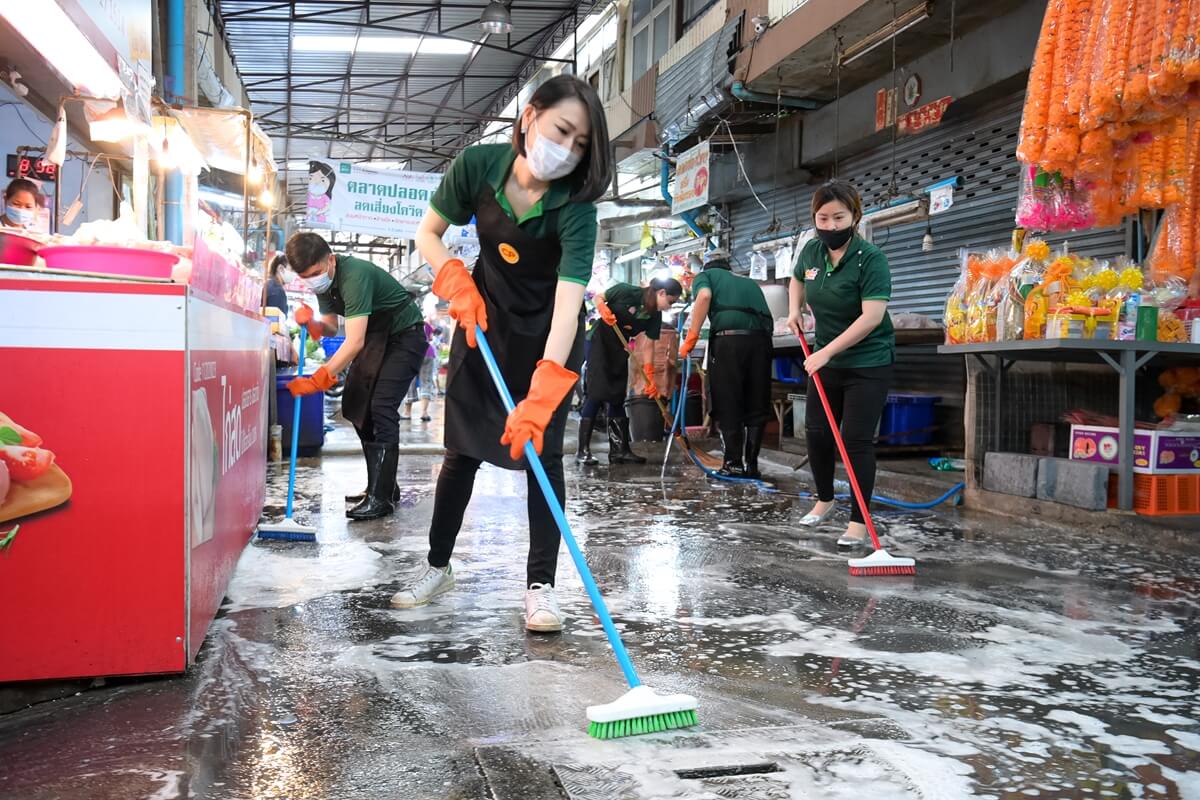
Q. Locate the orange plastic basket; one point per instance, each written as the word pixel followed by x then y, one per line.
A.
pixel 1161 495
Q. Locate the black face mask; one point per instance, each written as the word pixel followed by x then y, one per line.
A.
pixel 835 239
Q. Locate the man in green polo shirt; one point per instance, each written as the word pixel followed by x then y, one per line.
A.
pixel 385 344
pixel 739 360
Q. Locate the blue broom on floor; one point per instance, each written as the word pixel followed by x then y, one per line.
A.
pixel 640 710
pixel 288 529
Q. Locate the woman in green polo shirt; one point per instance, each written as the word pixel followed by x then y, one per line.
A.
pixel 533 202
pixel 847 284
pixel 636 310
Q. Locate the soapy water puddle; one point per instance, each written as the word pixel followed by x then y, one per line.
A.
pixel 1016 664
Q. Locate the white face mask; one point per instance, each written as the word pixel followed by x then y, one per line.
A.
pixel 286 275
pixel 319 283
pixel 23 217
pixel 548 160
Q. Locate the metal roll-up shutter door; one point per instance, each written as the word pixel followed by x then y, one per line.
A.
pixel 747 219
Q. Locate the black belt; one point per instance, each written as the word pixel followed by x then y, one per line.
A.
pixel 741 332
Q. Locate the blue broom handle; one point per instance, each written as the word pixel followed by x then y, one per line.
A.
pixel 539 472
pixel 295 427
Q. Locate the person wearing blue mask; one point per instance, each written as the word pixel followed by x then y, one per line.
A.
pixel 20 204
pixel 384 347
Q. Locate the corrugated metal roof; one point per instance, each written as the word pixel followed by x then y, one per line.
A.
pixel 342 105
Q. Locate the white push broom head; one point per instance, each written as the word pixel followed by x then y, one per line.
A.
pixel 288 530
pixel 881 563
pixel 640 702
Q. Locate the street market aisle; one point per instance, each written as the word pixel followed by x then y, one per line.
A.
pixel 1018 661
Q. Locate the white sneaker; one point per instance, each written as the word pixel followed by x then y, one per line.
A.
pixel 542 614
pixel 428 585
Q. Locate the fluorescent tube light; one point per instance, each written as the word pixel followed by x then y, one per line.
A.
pixel 399 45
pixel 913 16
pixel 48 29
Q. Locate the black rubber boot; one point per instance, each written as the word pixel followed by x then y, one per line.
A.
pixel 618 443
pixel 378 502
pixel 754 439
pixel 355 499
pixel 732 440
pixel 584 454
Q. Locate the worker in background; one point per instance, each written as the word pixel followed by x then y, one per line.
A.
pixel 739 360
pixel 534 203
pixel 635 310
pixel 20 204
pixel 847 283
pixel 385 344
pixel 278 276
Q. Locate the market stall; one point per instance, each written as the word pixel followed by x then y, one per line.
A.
pixel 133 444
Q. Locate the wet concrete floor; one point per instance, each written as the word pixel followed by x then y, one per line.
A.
pixel 1020 662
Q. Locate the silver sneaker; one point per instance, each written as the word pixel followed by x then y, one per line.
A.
pixel 428 585
pixel 542 614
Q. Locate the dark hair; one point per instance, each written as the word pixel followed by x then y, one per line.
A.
pixel 672 287
pixel 304 250
pixel 23 185
pixel 836 191
pixel 279 262
pixel 327 171
pixel 594 174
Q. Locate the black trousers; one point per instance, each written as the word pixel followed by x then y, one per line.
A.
pixel 857 397
pixel 592 407
pixel 739 377
pixel 401 364
pixel 453 493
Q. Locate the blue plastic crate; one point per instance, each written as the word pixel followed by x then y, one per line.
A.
pixel 908 419
pixel 789 370
pixel 312 417
pixel 330 344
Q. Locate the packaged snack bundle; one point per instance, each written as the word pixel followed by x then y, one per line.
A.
pixel 1010 293
pixel 955 314
pixel 1047 295
pixel 1167 293
pixel 982 301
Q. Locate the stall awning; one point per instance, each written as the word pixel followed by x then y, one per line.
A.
pixel 220 135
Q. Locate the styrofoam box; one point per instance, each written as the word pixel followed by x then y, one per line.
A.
pixel 1154 452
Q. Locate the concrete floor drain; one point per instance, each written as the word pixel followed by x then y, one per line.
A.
pixel 833 761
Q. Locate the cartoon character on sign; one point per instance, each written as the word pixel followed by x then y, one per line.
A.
pixel 320 191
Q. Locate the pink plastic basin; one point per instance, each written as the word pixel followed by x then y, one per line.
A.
pixel 17 250
pixel 110 260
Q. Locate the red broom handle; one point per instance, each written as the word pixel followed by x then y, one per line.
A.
pixel 841 445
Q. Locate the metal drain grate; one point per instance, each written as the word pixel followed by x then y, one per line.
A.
pixel 728 772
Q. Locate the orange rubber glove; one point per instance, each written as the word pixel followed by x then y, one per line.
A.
pixel 455 284
pixel 690 342
pixel 550 384
pixel 319 381
pixel 304 316
pixel 651 386
pixel 606 314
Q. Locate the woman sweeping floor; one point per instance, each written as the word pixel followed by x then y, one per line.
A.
pixel 534 206
pixel 634 310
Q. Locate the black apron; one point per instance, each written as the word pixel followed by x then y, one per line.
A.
pixel 517 275
pixel 608 360
pixel 364 370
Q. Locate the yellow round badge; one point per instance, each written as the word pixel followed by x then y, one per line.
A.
pixel 509 253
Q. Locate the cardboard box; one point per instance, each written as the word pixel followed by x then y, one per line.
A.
pixel 1154 452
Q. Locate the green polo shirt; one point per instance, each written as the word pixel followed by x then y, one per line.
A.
pixel 360 289
pixel 488 165
pixel 628 303
pixel 732 295
pixel 836 295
